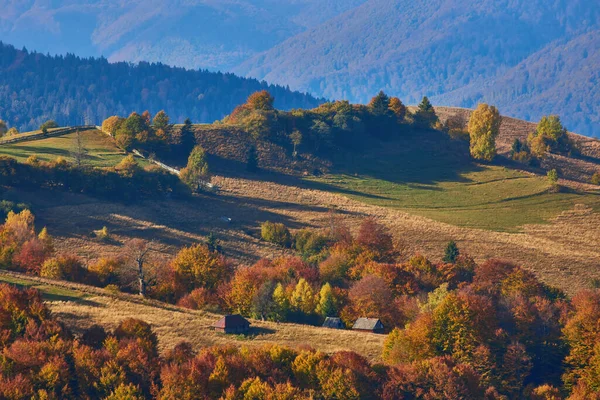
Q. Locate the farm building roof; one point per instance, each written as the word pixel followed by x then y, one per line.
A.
pixel 332 322
pixel 231 321
pixel 368 324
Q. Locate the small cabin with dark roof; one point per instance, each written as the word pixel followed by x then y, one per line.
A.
pixel 333 323
pixel 368 325
pixel 232 324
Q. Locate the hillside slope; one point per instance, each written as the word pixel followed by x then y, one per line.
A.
pixel 441 47
pixel 78 91
pixel 424 194
pixel 191 34
pixel 81 306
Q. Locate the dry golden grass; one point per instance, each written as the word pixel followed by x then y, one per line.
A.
pixel 173 324
pixel 565 252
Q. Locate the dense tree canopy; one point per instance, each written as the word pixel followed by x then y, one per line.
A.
pixel 77 91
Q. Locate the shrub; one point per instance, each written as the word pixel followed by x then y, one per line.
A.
pixel 310 243
pixel 113 289
pixel 276 233
pixel 102 234
pixel 63 267
pixel 595 179
pixel 50 124
pixel 105 270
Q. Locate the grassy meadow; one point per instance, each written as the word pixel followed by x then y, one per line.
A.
pixel 101 149
pixel 493 197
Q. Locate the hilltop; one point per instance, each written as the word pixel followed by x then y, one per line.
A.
pixel 423 186
pixel 456 52
pixel 84 91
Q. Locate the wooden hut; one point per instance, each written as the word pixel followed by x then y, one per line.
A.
pixel 234 323
pixel 368 325
pixel 333 323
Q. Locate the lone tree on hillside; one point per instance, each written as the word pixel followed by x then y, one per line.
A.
pixel 296 138
pixel 3 128
pixel 196 174
pixel 425 116
pixel 79 152
pixel 451 253
pixel 188 137
pixel 261 101
pixel 252 160
pixel 552 177
pixel 48 125
pixel 484 126
pixel 139 250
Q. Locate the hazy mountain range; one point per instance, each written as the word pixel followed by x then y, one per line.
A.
pixel 530 58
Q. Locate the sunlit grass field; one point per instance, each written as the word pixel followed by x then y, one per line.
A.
pixel 491 197
pixel 101 149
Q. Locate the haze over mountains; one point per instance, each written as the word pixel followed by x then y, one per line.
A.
pixel 529 58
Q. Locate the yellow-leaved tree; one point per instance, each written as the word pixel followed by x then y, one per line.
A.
pixel 484 126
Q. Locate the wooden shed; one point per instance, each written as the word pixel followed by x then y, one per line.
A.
pixel 333 323
pixel 368 325
pixel 234 323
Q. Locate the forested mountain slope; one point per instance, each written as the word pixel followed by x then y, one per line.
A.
pixel 75 91
pixel 192 34
pixel 528 57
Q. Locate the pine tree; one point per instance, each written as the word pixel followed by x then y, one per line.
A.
pixel 252 160
pixel 188 138
pixel 425 116
pixel 451 253
pixel 379 105
pixel 326 306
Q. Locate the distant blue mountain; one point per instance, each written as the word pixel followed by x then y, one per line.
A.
pixel 216 35
pixel 528 57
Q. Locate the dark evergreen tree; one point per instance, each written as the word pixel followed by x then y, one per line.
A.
pixel 252 161
pixel 451 253
pixel 425 117
pixel 188 137
pixel 379 105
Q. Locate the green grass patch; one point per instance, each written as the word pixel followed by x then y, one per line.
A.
pixel 488 197
pixel 101 149
pixel 49 292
